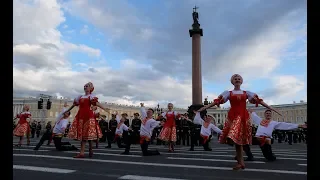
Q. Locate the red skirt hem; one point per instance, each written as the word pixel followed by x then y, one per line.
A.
pixel 168 134
pixel 21 130
pixel 238 130
pixel 85 130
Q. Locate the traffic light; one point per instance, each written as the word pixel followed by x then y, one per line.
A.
pixel 49 104
pixel 40 104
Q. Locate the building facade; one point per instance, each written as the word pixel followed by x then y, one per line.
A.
pixel 43 116
pixel 292 113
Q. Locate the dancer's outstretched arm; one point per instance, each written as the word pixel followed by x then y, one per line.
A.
pixel 222 98
pixel 102 106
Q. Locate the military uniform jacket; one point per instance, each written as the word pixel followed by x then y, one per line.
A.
pixel 136 124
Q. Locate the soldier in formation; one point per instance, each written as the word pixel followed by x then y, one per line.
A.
pixel 135 126
pixel 112 126
pixel 33 128
pixel 38 129
pixel 104 129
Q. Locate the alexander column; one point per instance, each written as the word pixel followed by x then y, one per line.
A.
pixel 196 33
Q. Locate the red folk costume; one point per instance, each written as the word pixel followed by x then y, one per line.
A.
pixel 237 126
pixel 84 126
pixel 169 132
pixel 23 127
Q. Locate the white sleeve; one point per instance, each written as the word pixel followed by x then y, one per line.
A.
pixel 255 118
pixel 250 95
pixel 77 99
pixel 64 124
pixel 118 118
pixel 197 119
pixel 285 126
pixel 154 124
pixel 125 127
pixel 225 96
pixel 164 115
pixel 143 112
pixel 216 129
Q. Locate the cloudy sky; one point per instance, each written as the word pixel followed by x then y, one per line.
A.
pixel 140 51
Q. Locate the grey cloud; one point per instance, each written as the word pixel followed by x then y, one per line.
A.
pixel 92 70
pixel 228 28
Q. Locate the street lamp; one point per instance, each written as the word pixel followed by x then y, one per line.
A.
pixel 158 110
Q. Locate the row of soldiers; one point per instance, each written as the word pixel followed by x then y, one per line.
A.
pixel 187 132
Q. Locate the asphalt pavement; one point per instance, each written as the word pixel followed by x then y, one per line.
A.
pixel 49 164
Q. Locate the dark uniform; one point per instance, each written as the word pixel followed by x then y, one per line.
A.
pixel 126 133
pixel 185 132
pixel 45 137
pixel 38 129
pixel 49 130
pixel 112 126
pixel 246 148
pixel 178 131
pixel 198 137
pixel 135 126
pixel 290 135
pixel 193 134
pixel 33 128
pixel 104 129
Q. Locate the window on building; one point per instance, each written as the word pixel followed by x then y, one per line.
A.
pixel 218 121
pixel 56 114
pixel 51 113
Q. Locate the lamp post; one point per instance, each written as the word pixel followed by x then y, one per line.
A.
pixel 157 110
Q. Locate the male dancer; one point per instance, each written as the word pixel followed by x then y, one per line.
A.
pixel 121 127
pixel 206 129
pixel 58 132
pixel 263 135
pixel 146 129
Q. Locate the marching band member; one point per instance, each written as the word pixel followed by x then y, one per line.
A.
pixel 237 127
pixel 206 129
pixel 146 129
pixel 169 132
pixel 84 127
pixel 23 128
pixel 266 126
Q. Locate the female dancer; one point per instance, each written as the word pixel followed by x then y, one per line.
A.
pixel 237 128
pixel 84 126
pixel 168 132
pixel 23 127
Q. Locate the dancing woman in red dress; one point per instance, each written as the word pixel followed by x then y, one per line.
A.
pixel 169 132
pixel 237 128
pixel 84 126
pixel 23 127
